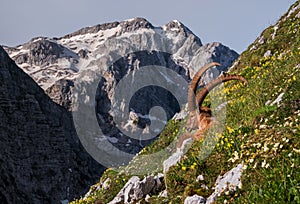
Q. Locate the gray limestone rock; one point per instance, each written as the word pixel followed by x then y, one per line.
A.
pixel 135 189
pixel 230 181
pixel 195 199
pixel 61 93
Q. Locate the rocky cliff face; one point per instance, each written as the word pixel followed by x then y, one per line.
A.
pixel 42 160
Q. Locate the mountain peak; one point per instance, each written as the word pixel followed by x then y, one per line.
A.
pixel 125 26
pixel 176 25
pixel 135 23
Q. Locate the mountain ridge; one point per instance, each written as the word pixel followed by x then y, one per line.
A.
pixel 79 49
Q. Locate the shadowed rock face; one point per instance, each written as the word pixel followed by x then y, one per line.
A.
pixel 42 160
pixel 142 100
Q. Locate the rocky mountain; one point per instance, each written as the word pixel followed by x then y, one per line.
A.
pixel 113 51
pixel 45 161
pixel 42 159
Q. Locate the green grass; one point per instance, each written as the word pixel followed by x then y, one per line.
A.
pixel 99 193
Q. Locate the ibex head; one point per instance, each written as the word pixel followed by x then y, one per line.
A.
pixel 201 119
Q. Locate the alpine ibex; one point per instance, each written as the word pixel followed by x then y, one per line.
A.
pixel 201 119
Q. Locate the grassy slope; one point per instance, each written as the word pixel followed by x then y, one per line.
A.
pixel 263 137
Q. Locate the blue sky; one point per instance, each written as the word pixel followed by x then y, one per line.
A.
pixel 235 23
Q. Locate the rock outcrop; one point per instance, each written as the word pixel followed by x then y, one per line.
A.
pixel 136 189
pixel 195 199
pixel 229 183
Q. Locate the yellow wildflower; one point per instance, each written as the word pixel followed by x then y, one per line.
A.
pixel 193 167
pixel 230 130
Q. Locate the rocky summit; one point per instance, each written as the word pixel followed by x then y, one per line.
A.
pixel 42 159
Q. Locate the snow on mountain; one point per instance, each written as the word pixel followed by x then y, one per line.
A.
pixel 48 60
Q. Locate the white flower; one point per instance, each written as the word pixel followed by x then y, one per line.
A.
pixel 266 148
pixel 262 126
pixel 258 145
pixel 231 159
pixel 236 155
pixel 296 150
pixel 263 164
pixel 240 185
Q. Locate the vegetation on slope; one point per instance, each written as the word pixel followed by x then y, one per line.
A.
pixel 262 129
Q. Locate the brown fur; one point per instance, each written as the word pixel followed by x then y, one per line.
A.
pixel 200 120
